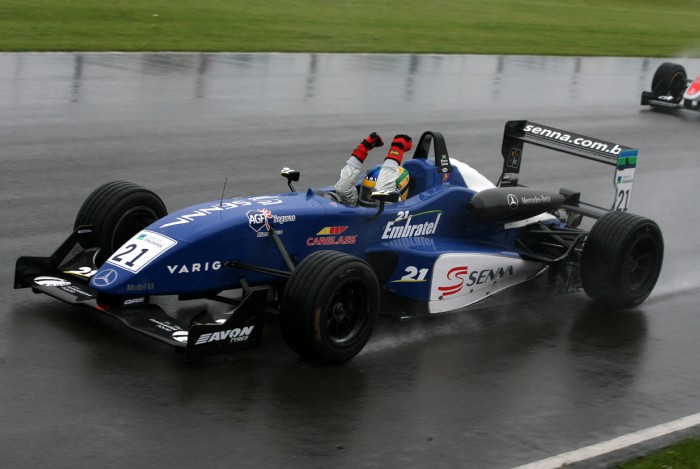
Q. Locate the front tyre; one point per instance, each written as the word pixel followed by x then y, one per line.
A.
pixel 329 307
pixel 621 259
pixel 117 211
pixel 670 79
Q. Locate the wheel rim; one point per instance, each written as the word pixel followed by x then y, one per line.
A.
pixel 131 223
pixel 640 265
pixel 677 86
pixel 347 313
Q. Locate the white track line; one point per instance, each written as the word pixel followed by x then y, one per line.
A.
pixel 615 444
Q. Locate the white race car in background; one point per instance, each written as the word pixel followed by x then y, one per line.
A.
pixel 671 88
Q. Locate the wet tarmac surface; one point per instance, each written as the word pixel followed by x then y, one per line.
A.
pixel 495 388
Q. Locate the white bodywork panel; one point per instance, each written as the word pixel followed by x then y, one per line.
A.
pixel 473 178
pixel 460 279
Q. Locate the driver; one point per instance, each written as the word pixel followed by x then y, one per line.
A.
pixel 388 177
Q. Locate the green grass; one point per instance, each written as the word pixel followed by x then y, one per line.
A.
pixel 554 27
pixel 684 455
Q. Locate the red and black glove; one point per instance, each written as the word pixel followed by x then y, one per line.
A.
pixel 373 140
pixel 399 145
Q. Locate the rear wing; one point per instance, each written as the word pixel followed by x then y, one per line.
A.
pixel 516 133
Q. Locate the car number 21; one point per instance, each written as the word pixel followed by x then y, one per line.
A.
pixel 413 274
pixel 622 200
pixel 140 250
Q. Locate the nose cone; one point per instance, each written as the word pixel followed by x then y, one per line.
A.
pixel 103 278
pixel 129 268
pixel 112 279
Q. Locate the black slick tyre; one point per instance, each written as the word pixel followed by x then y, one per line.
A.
pixel 670 79
pixel 117 211
pixel 621 259
pixel 329 307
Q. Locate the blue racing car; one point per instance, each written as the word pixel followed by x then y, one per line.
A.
pixel 327 269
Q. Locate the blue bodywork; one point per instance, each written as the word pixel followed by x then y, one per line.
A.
pixel 447 246
pixel 211 239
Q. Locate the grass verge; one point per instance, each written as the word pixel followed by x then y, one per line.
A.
pixel 646 28
pixel 684 455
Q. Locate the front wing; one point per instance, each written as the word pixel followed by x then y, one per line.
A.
pixel 65 275
pixel 649 99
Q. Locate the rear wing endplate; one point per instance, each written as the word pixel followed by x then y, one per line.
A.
pixel 516 133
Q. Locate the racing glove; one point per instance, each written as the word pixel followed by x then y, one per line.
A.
pixel 399 145
pixel 373 140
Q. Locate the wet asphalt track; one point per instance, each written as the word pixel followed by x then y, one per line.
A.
pixel 493 389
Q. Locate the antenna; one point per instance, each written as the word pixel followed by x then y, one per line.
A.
pixel 222 192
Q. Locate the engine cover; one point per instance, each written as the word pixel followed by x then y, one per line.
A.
pixel 510 204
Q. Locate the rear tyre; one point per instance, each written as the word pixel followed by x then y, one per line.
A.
pixel 117 211
pixel 621 259
pixel 669 80
pixel 329 307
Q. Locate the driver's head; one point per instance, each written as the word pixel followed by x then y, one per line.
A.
pixel 369 182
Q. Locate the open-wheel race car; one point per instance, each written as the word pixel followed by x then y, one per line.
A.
pixel 671 89
pixel 327 269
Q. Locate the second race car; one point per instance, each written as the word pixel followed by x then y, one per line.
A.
pixel 671 89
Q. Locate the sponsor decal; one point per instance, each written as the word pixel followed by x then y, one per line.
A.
pixel 140 286
pixel 235 203
pixel 51 282
pixel 330 240
pixel 332 230
pixel 512 201
pixel 577 140
pixel 460 277
pixel 73 290
pixel 514 158
pixel 165 325
pixel 154 239
pixel 180 336
pixel 456 274
pixel 134 301
pixel 141 250
pixel 259 221
pixel 510 178
pixel 194 267
pixel 104 278
pixel 444 163
pixel 407 225
pixel 625 178
pixel 328 236
pixel 536 199
pixel 232 335
pixel 282 219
